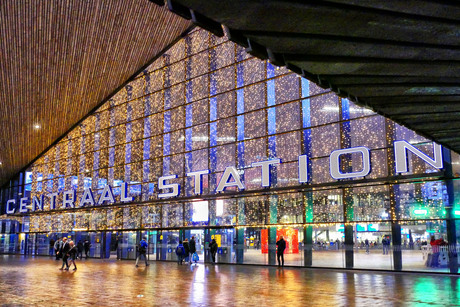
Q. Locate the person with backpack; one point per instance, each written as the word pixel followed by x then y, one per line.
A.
pixel 142 251
pixel 180 252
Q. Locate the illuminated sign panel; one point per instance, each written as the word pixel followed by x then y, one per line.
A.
pixel 232 177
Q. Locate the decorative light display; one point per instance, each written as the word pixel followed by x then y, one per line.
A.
pixel 206 104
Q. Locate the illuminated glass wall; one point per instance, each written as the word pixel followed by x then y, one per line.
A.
pixel 205 105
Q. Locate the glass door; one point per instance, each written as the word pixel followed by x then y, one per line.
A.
pixel 27 243
pixel 127 245
pixel 95 240
pixel 111 245
pixel 226 249
pixel 152 240
pixel 169 239
pixel 3 241
pixel 43 244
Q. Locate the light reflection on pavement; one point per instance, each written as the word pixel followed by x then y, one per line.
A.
pixel 37 281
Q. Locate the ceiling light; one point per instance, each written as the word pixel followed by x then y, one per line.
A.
pixel 37 126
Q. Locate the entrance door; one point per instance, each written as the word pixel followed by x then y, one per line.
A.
pixel 23 244
pixel 152 240
pixel 3 241
pixel 169 240
pixel 127 242
pixel 225 238
pixel 43 244
pixel 95 239
pixel 110 245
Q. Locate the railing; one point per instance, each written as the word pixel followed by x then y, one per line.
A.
pixel 438 256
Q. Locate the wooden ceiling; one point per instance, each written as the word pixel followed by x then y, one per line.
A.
pixel 399 58
pixel 59 59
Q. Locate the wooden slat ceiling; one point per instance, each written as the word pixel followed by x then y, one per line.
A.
pixel 60 58
pixel 399 58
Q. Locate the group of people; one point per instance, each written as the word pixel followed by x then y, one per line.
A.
pixel 69 251
pixel 66 251
pixel 57 245
pixel 386 245
pixel 187 251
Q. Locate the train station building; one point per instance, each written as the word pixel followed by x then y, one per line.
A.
pixel 212 142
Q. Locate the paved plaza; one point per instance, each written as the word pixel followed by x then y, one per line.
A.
pixel 26 281
pixel 413 260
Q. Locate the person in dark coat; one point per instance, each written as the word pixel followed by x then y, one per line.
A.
pixel 86 245
pixel 80 249
pixel 64 252
pixel 213 247
pixel 192 245
pixel 73 254
pixel 187 250
pixel 281 244
pixel 52 247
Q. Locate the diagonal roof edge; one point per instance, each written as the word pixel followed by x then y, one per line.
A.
pixel 131 78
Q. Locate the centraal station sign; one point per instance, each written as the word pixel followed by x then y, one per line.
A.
pixel 230 178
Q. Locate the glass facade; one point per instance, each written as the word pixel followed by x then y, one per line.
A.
pixel 207 105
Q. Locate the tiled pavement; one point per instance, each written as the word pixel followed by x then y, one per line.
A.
pixel 37 281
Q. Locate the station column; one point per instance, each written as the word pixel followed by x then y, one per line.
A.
pixel 450 211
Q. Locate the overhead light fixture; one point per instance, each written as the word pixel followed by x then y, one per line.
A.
pixel 37 126
pixel 1 163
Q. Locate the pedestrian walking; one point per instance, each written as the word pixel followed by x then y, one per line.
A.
pixel 281 244
pixel 73 254
pixel 366 243
pixel 213 247
pixel 80 249
pixel 142 251
pixel 57 248
pixel 86 245
pixel 192 244
pixel 180 252
pixel 187 250
pixel 64 252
